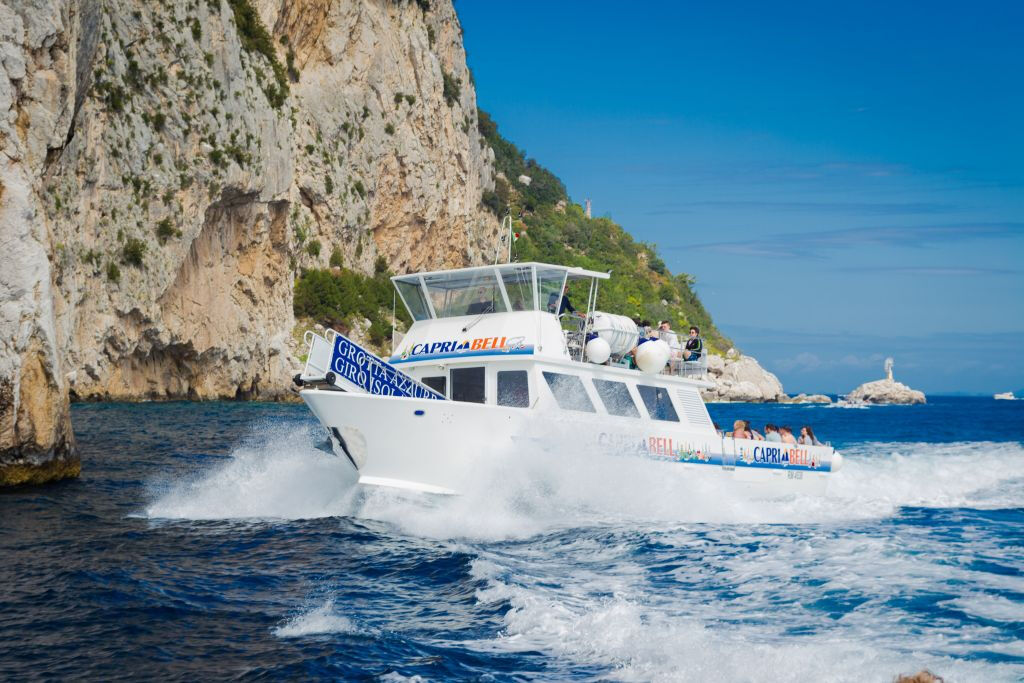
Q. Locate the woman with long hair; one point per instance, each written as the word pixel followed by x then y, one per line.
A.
pixel 807 437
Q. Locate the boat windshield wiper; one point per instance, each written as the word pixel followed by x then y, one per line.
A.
pixel 489 309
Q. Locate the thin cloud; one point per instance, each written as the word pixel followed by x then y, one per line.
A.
pixel 854 208
pixel 814 245
pixel 939 271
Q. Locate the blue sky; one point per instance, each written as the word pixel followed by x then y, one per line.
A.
pixel 845 182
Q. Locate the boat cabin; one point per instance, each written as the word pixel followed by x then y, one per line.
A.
pixel 495 335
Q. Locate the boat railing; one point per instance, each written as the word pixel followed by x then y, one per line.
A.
pixel 575 332
pixel 318 357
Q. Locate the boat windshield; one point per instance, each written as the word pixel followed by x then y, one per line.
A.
pixel 550 282
pixel 487 289
pixel 468 293
pixel 519 286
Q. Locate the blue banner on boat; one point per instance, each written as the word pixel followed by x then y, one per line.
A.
pixel 364 371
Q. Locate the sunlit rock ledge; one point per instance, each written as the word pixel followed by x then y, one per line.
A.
pixel 885 391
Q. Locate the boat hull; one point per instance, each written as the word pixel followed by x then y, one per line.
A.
pixel 443 446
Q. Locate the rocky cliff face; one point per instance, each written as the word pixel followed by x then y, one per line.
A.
pixel 168 167
pixel 741 378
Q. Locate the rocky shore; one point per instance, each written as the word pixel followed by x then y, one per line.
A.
pixel 885 391
pixel 741 379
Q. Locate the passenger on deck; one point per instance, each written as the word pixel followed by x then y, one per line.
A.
pixel 564 306
pixel 807 437
pixel 753 435
pixel 739 430
pixel 771 433
pixel 786 433
pixel 694 345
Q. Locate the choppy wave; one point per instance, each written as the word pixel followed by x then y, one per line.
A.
pixel 318 620
pixel 786 603
pixel 274 474
pixel 632 567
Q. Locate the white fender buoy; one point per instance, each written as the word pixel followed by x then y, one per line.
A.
pixel 598 350
pixel 652 356
pixel 837 462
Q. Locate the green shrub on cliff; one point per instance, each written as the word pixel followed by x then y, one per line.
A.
pixel 452 87
pixel 337 297
pixel 254 38
pixel 133 252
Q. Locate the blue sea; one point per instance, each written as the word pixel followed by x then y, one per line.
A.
pixel 209 541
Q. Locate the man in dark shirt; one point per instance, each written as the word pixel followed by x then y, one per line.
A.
pixel 563 306
pixel 694 345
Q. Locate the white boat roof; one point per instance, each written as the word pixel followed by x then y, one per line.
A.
pixel 572 272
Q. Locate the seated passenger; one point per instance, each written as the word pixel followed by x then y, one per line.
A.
pixel 739 430
pixel 694 345
pixel 807 437
pixel 786 433
pixel 771 433
pixel 753 435
pixel 644 336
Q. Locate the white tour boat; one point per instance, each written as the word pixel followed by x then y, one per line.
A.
pixel 1005 396
pixel 488 369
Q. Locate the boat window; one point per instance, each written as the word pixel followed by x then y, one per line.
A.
pixel 550 283
pixel 412 295
pixel 436 383
pixel 513 389
pixel 468 385
pixel 616 398
pixel 519 285
pixel 569 392
pixel 659 405
pixel 466 293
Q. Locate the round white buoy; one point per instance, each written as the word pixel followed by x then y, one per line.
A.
pixel 598 350
pixel 652 356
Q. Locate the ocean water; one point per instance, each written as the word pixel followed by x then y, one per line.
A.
pixel 213 540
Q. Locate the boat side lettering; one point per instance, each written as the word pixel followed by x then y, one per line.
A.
pixel 457 347
pixel 376 377
pixel 677 450
pixel 778 455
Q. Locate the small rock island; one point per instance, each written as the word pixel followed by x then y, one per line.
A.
pixel 884 391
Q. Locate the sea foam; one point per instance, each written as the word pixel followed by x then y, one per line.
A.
pixel 317 620
pixel 279 474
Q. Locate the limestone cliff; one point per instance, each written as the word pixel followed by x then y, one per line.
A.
pixel 168 167
pixel 741 378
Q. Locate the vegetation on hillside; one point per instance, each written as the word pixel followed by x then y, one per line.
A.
pixel 554 230
pixel 337 297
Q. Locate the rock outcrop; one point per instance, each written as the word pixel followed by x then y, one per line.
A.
pixel 169 167
pixel 809 398
pixel 741 378
pixel 36 442
pixel 885 391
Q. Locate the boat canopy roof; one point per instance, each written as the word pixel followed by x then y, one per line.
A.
pixel 499 288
